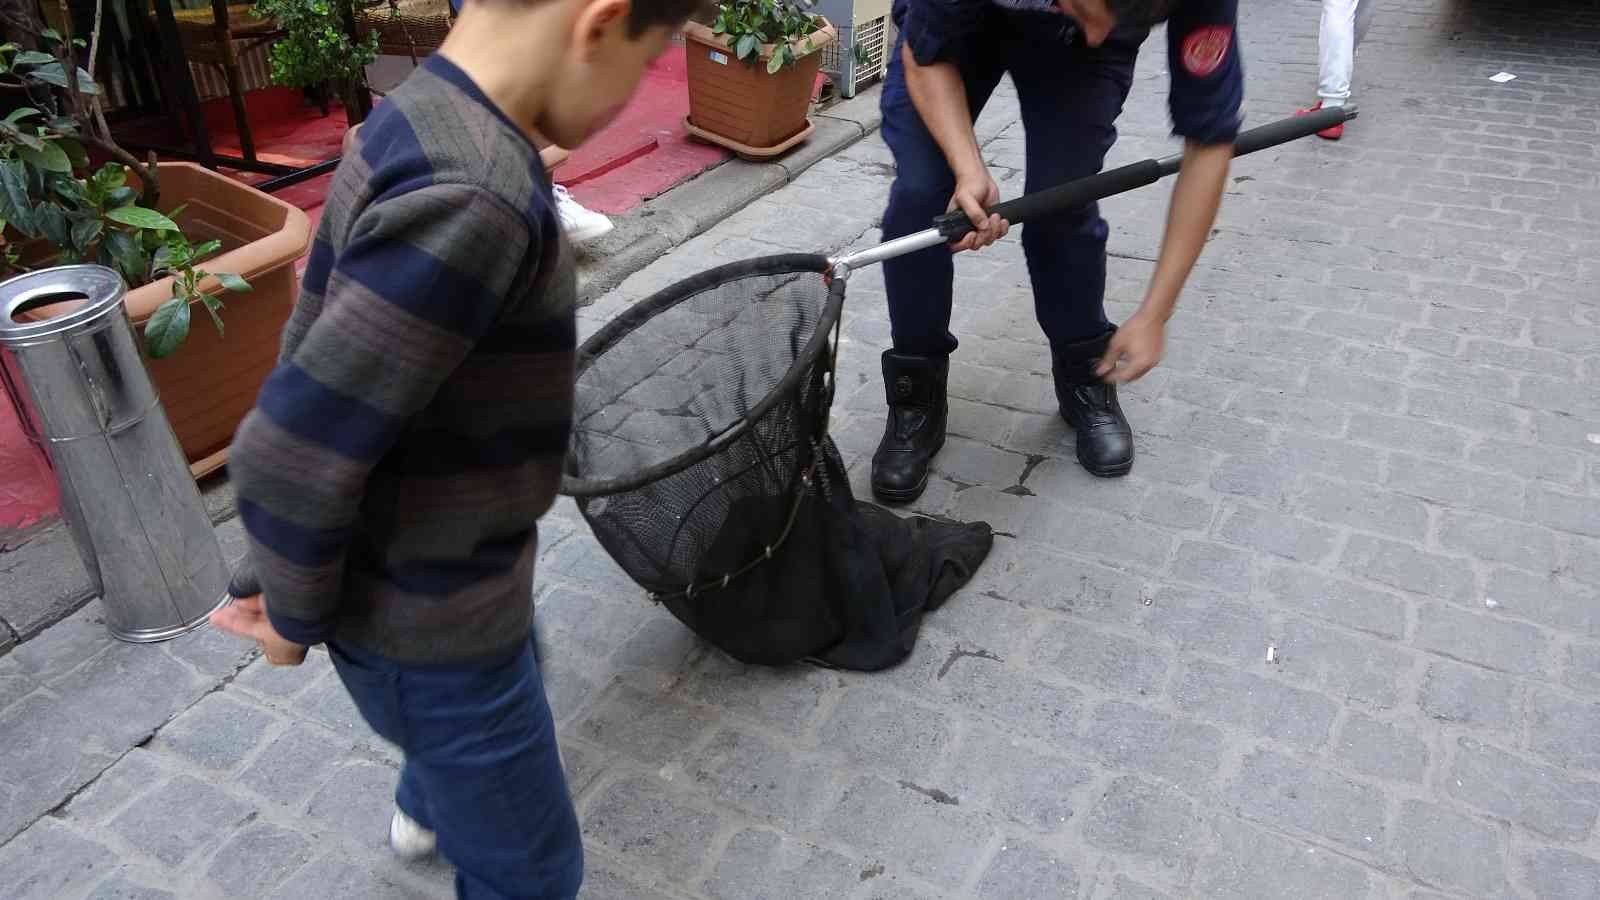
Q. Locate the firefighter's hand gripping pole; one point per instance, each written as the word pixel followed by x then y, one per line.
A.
pixel 954 226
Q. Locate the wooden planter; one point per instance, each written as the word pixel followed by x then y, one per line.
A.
pixel 210 382
pixel 740 106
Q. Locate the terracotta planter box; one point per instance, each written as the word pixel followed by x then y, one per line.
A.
pixel 741 106
pixel 210 382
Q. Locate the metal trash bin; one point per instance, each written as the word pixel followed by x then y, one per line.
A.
pixel 78 380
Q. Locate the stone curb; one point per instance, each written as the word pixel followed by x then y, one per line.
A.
pixel 692 208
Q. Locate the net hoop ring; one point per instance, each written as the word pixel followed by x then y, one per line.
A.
pixel 638 314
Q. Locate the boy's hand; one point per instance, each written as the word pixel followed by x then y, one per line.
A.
pixel 245 618
pixel 975 193
pixel 1137 346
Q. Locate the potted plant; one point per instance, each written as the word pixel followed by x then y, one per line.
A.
pixel 751 74
pixel 69 194
pixel 314 50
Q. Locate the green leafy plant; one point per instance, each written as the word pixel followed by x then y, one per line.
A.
pixel 169 325
pixel 748 24
pixel 314 47
pixel 49 194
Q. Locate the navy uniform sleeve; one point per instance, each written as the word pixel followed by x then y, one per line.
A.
pixel 937 30
pixel 1207 95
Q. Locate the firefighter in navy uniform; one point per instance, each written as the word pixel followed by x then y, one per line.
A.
pixel 1072 63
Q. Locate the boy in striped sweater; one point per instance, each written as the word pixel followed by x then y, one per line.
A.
pixel 392 473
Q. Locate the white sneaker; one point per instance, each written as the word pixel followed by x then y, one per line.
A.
pixel 580 224
pixel 408 839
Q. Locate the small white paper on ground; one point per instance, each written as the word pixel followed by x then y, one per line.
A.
pixel 1502 77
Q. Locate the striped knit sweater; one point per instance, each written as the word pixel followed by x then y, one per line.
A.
pixel 392 473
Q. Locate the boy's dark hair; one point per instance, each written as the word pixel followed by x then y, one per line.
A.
pixel 1142 12
pixel 644 15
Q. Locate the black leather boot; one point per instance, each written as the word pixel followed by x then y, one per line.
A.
pixel 1105 440
pixel 915 386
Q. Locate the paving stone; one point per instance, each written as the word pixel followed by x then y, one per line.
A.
pixel 1582 669
pixel 1410 435
pixel 1279 408
pixel 1281 790
pixel 1541 599
pixel 1564 512
pixel 213 652
pixel 1563 730
pixel 1354 667
pixel 283 682
pixel 970 462
pixel 1309 453
pixel 998 771
pixel 877 728
pixel 1282 535
pixel 1026 871
pixel 1173 508
pixel 46 757
pixel 1046 711
pixel 131 776
pixel 335 875
pixel 1173 462
pixel 1367 508
pixel 1098 535
pixel 1248 863
pixel 762 865
pixel 258 858
pixel 1454 486
pixel 1341 602
pixel 294 764
pixel 217 733
pixel 1536 796
pixel 1407 568
pixel 357 800
pixel 1181 751
pixel 1202 622
pixel 764 779
pixel 1140 818
pixel 1214 565
pixel 178 819
pixel 1469 696
pixel 1269 708
pixel 649 728
pixel 1069 584
pixel 1444 847
pixel 123 886
pixel 1381 749
pixel 1482 639
pixel 1557 874
pixel 142 687
pixel 588 624
pixel 49 861
pixel 1267 480
pixel 930 836
pixel 1103 660
pixel 786 700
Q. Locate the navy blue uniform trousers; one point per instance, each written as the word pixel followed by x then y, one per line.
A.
pixel 1070 95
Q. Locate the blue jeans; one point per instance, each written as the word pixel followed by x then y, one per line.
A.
pixel 482 770
pixel 1070 98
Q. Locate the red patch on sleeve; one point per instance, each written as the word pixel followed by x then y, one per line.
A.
pixel 1205 48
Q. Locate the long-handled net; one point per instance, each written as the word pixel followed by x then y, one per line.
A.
pixel 702 464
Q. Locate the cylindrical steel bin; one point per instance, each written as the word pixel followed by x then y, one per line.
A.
pixel 79 382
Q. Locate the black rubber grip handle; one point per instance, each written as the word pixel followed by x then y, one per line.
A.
pixel 1291 129
pixel 953 226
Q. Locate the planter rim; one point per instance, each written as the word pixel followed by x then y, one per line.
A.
pixel 285 245
pixel 820 38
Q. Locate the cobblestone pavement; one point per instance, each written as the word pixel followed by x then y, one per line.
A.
pixel 1374 447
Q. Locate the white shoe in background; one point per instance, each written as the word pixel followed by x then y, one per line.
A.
pixel 408 839
pixel 580 224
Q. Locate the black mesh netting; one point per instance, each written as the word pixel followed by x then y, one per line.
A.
pixel 701 461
